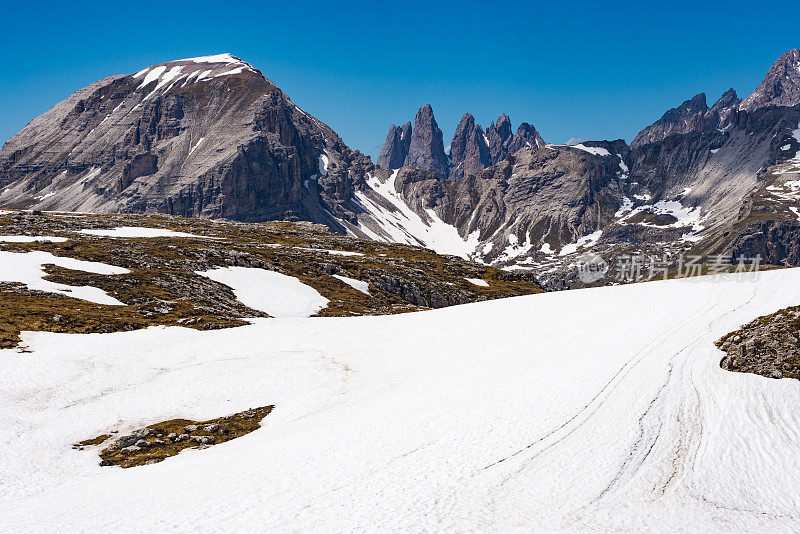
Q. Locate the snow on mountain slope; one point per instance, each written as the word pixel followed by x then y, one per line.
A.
pixel 398 223
pixel 274 293
pixel 591 409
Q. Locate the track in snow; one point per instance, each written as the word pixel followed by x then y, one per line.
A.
pixel 590 409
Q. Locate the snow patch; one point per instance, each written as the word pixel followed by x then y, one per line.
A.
pixel 358 285
pixel 138 231
pixel 404 225
pixel 596 150
pixel 273 293
pixel 585 241
pixel 197 144
pixel 26 268
pixel 322 163
pixel 477 282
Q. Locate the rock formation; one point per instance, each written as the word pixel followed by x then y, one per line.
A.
pixel 426 150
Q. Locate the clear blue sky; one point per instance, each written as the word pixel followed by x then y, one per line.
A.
pixel 593 70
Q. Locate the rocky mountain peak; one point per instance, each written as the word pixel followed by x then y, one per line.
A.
pixel 723 110
pixel 781 85
pixel 685 118
pixel 395 148
pixel 426 149
pixel 499 134
pixel 181 72
pixel 526 136
pixel 469 150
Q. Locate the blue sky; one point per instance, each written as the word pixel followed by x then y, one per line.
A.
pixel 588 70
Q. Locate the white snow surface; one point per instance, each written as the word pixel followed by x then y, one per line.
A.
pixel 26 268
pixel 585 241
pixel 495 416
pixel 477 282
pixel 274 293
pixel 358 285
pixel 596 150
pixel 140 231
pixel 404 225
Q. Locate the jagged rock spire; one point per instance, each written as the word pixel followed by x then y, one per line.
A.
pixel 469 151
pixel 395 149
pixel 426 150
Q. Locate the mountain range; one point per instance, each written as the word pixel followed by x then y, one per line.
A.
pixel 213 137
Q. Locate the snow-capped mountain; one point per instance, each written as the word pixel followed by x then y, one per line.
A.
pixel 702 180
pixel 207 136
pixel 213 137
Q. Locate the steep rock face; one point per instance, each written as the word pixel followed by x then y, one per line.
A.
pixel 781 85
pixel 692 116
pixel 426 150
pixel 525 136
pixel 502 143
pixel 499 134
pixel 208 137
pixel 469 152
pixel 395 150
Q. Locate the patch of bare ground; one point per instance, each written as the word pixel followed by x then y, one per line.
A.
pixel 164 289
pixel 159 441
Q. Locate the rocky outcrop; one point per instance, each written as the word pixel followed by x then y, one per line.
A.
pixel 768 346
pixel 395 150
pixel 426 150
pixel 525 136
pixel 469 152
pixel 499 134
pixel 502 143
pixel 781 85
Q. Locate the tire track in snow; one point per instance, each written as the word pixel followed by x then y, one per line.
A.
pixel 595 403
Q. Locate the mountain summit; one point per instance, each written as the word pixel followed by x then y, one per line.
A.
pixel 781 85
pixel 207 136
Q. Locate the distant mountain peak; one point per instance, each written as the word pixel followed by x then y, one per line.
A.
pixel 781 85
pixel 692 115
pixel 181 72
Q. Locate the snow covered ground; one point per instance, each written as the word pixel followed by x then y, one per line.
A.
pixel 277 294
pixel 598 409
pixel 139 231
pixel 358 285
pixel 26 268
pixel 401 224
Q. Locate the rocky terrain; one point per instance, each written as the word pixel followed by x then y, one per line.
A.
pixel 163 286
pixel 214 138
pixel 202 137
pixel 708 181
pixel 472 148
pixel 768 346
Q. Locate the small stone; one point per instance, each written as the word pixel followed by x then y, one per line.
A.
pixel 213 427
pixel 172 435
pixel 776 374
pixel 130 450
pixel 158 442
pixel 142 443
pixel 190 428
pixel 182 437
